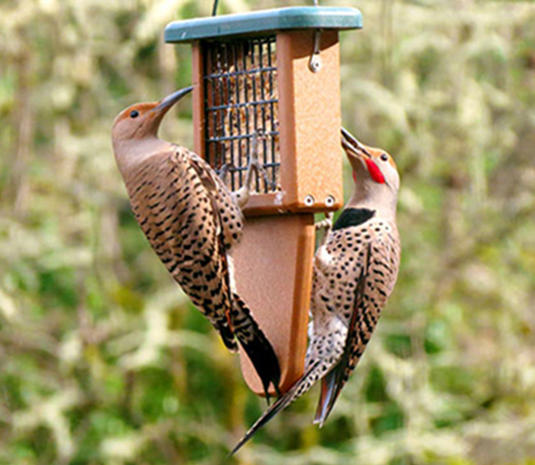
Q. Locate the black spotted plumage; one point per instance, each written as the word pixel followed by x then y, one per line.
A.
pixel 180 204
pixel 372 249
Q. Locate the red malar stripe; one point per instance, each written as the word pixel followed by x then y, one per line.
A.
pixel 375 172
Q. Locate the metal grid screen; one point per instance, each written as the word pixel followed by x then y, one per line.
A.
pixel 241 103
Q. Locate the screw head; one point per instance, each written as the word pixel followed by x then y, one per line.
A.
pixel 315 63
pixel 309 200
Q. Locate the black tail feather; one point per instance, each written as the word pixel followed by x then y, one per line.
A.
pixel 331 386
pixel 227 336
pixel 301 386
pixel 279 405
pixel 255 344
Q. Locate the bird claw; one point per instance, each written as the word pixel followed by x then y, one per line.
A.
pixel 224 171
pixel 326 225
pixel 241 196
pixel 254 163
pixel 260 170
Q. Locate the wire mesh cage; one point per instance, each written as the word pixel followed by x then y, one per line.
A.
pixel 267 83
pixel 241 103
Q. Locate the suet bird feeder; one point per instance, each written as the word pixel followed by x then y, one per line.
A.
pixel 273 75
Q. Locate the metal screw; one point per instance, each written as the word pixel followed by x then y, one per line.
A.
pixel 309 200
pixel 329 201
pixel 315 63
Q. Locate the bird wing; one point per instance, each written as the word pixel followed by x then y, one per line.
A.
pixel 229 213
pixel 374 285
pixel 334 380
pixel 243 325
pixel 173 205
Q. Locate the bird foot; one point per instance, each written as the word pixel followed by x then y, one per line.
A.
pixel 326 225
pixel 224 171
pixel 241 196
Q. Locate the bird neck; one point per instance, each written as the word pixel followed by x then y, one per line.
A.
pixel 130 153
pixel 381 200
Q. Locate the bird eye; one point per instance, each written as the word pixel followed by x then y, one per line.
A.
pixel 384 157
pixel 134 114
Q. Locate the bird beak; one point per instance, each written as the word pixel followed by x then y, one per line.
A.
pixel 356 150
pixel 170 100
pixel 353 147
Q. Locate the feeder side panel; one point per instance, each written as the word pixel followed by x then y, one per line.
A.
pixel 309 113
pixel 198 99
pixel 273 267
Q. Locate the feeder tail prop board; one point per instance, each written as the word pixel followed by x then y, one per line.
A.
pixel 273 270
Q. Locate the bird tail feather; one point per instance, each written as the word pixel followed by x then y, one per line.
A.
pixel 256 344
pixel 330 389
pixel 227 336
pixel 301 386
pixel 333 382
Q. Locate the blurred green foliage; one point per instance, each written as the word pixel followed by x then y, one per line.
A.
pixel 102 358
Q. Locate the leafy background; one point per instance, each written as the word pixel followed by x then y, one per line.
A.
pixel 102 358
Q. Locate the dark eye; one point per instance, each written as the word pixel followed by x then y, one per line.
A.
pixel 384 157
pixel 134 114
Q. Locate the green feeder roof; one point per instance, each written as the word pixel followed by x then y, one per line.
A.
pixel 263 22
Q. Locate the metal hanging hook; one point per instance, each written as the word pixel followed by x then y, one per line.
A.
pixel 214 8
pixel 314 63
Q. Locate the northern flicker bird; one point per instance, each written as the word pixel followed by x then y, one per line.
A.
pixel 191 220
pixel 355 269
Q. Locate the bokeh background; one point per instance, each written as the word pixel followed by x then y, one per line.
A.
pixel 104 361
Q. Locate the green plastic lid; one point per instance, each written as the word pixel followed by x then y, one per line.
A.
pixel 263 22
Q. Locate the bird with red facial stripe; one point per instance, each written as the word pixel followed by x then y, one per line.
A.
pixel 355 269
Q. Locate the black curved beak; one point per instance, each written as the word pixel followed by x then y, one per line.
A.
pixel 352 145
pixel 171 99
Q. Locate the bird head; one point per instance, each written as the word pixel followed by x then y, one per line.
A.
pixel 143 119
pixel 374 172
pixel 370 165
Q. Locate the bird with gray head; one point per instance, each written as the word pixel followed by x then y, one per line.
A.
pixel 191 220
pixel 355 269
